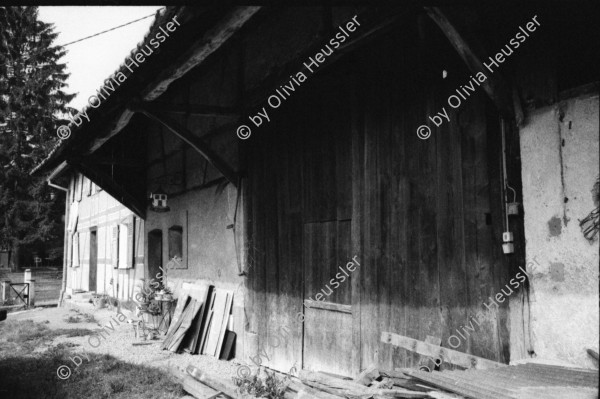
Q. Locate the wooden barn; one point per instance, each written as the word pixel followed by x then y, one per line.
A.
pixel 288 142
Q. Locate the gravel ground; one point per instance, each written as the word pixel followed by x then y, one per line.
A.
pixel 118 343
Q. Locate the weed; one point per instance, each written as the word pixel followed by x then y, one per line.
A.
pixel 269 386
pixel 80 318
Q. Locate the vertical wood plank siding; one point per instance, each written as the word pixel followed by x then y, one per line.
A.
pixel 339 171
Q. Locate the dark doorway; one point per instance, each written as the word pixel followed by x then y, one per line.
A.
pixel 93 261
pixel 154 253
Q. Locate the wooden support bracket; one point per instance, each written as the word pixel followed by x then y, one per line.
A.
pixel 195 142
pixel 472 53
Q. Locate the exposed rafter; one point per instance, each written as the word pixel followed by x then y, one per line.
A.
pixel 99 160
pixel 472 53
pixel 195 142
pixel 193 109
pixel 198 52
pixel 205 46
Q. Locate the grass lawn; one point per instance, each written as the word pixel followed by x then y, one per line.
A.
pixel 29 363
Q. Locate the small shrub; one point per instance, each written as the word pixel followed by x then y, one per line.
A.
pixel 269 386
pixel 72 319
pixel 80 318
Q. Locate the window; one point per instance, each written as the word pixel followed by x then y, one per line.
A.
pixel 176 242
pixel 155 252
pixel 125 243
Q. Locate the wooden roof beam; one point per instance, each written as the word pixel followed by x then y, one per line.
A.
pixel 472 53
pixel 102 160
pixel 208 44
pixel 190 138
pixel 193 109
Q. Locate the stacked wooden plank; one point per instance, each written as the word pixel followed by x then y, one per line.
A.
pixel 372 383
pixel 199 320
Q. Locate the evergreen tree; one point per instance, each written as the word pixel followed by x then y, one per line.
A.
pixel 31 100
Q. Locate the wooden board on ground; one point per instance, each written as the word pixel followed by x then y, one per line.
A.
pixel 196 291
pixel 224 323
pixel 186 321
pixel 448 355
pixel 367 376
pixel 209 315
pixel 331 384
pixel 200 294
pixel 168 342
pixel 198 389
pixel 223 385
pixel 181 302
pixel 220 316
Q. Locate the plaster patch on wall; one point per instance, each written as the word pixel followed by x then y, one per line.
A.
pixel 557 271
pixel 564 287
pixel 554 226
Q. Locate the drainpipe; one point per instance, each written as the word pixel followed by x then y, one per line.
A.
pixel 67 216
pixel 66 190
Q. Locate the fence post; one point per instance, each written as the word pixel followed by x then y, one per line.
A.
pixel 5 290
pixel 31 293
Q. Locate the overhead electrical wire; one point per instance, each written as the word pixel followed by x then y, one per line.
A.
pixel 111 29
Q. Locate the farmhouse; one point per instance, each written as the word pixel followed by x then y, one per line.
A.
pixel 439 225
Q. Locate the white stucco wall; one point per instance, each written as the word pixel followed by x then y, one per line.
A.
pixel 559 153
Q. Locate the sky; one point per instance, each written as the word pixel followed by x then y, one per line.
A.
pixel 93 60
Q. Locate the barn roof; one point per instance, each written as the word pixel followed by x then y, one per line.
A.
pixel 203 30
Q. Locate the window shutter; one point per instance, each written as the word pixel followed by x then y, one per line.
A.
pixel 76 259
pixel 72 186
pixel 70 254
pixel 130 242
pixel 115 246
pixel 79 187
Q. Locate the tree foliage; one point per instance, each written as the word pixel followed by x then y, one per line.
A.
pixel 32 99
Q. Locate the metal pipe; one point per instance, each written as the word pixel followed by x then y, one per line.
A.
pixel 54 173
pixel 66 190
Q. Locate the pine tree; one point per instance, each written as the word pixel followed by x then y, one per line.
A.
pixel 31 101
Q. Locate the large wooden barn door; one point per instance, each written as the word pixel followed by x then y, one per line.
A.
pixel 340 172
pixel 300 182
pixel 326 236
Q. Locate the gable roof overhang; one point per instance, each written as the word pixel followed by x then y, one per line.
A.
pixel 187 48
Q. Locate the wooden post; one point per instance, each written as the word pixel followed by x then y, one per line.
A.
pixel 28 279
pixel 5 290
